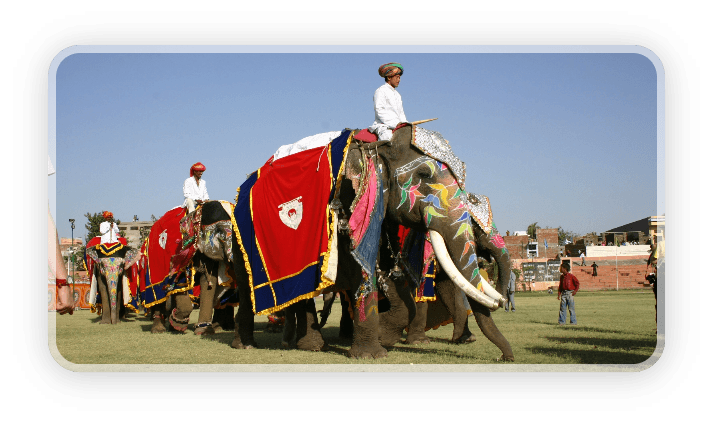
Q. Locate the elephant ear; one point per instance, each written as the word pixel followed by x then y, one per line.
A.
pixel 92 254
pixel 479 209
pixel 366 219
pixel 131 257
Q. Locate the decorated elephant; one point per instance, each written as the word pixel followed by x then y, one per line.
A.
pixel 413 181
pixel 107 264
pixel 190 257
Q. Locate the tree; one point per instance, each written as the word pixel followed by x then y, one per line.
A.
pixel 532 230
pixel 153 218
pixel 563 235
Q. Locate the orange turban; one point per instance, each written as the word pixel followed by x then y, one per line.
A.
pixel 197 167
pixel 107 215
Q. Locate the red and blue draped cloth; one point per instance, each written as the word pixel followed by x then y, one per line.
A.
pixel 419 262
pixel 285 227
pixel 163 242
pixel 366 219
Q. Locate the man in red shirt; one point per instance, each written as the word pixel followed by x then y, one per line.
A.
pixel 569 286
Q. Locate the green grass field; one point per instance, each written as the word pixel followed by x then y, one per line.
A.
pixel 614 328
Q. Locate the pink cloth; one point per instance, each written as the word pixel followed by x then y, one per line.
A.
pixel 359 220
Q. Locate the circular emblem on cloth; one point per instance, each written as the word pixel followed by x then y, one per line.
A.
pixel 162 239
pixel 291 213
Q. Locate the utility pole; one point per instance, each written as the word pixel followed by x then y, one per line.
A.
pixel 72 258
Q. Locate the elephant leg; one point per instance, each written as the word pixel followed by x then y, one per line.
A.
pixel 209 284
pixel 307 331
pixel 454 300
pixel 181 314
pixel 157 313
pixel 366 328
pixel 328 301
pixel 490 330
pixel 223 319
pixel 393 322
pixel 106 303
pixel 288 332
pixel 244 318
pixel 346 322
pixel 417 327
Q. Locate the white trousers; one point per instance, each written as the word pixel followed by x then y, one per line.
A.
pixel 190 205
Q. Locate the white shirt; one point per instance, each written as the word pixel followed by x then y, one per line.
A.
pixel 194 191
pixel 107 235
pixel 388 109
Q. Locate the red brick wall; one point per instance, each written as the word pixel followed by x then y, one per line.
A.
pixel 549 234
pixel 514 245
pixel 632 273
pixel 630 277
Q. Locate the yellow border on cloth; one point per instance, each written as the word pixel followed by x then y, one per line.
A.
pixel 325 282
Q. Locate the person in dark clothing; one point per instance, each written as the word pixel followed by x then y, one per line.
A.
pixel 594 269
pixel 569 286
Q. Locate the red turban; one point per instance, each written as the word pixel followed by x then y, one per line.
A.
pixel 390 69
pixel 197 167
pixel 107 215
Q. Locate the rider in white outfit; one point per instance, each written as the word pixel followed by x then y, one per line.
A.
pixel 108 229
pixel 388 108
pixel 194 188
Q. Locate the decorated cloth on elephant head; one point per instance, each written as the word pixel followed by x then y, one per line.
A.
pixel 285 228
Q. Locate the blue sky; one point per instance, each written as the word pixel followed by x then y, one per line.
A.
pixel 563 139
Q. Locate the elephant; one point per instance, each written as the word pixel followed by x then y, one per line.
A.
pixel 108 264
pixel 423 188
pixel 209 260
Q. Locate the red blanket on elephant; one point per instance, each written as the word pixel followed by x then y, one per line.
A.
pixel 285 227
pixel 164 241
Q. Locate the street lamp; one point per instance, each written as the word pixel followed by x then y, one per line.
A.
pixel 71 221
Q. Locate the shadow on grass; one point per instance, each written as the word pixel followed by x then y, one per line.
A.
pixel 606 343
pixel 582 327
pixel 598 350
pixel 592 355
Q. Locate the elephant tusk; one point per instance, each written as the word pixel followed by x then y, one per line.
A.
pixel 439 248
pixel 491 292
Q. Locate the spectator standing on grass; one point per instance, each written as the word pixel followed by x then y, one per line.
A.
pixel 510 301
pixel 569 286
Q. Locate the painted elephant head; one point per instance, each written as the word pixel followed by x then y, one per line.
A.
pixel 108 264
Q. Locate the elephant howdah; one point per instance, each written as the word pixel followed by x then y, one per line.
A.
pixel 421 191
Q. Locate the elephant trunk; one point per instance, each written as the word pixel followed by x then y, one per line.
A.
pixel 113 296
pixel 489 297
pixel 490 330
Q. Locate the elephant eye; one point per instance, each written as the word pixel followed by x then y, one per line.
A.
pixel 424 173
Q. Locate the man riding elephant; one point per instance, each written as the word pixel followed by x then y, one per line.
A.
pixel 194 188
pixel 388 108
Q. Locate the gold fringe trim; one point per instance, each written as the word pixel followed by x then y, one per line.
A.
pixel 246 260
